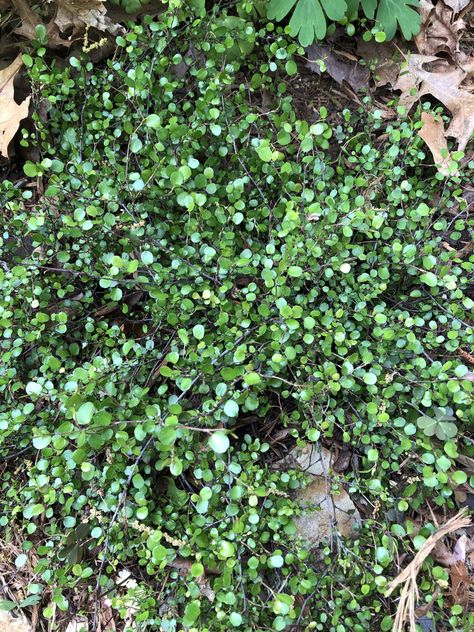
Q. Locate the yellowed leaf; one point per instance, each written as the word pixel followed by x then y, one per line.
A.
pixel 11 113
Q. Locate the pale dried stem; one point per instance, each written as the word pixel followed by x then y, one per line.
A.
pixel 407 577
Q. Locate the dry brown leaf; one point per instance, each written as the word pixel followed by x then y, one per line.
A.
pixel 457 5
pixel 10 112
pixel 460 583
pixel 438 31
pixel 443 555
pixel 79 14
pixel 8 623
pixel 106 617
pixel 423 610
pixel 443 85
pixel 466 355
pixel 432 133
pixel 384 57
pixel 444 77
pixel 407 578
pixel 340 70
pixel 29 21
pixel 71 14
pixel 466 460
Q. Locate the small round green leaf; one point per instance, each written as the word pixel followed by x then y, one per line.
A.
pixel 219 442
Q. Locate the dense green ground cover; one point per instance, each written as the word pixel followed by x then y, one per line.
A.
pixel 200 265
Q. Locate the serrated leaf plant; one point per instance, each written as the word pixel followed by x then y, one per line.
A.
pixel 309 20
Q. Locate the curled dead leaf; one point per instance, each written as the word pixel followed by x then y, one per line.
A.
pixel 443 555
pixel 29 21
pixel 11 113
pixel 73 17
pixel 79 14
pixel 438 31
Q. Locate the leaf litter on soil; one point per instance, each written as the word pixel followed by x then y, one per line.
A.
pixel 74 17
pixel 432 133
pixel 407 578
pixel 11 113
pixel 442 70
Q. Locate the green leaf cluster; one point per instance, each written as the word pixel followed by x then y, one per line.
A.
pixel 195 272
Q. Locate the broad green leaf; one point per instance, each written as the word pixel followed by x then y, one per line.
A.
pixel 231 408
pixel 370 378
pixel 33 388
pixel 459 477
pixel 252 378
pixel 191 613
pixel 198 332
pixel 429 278
pixel 265 153
pixel 383 556
pixel 197 569
pixel 21 560
pixel 368 6
pixel 427 424
pixel 295 271
pixel 85 413
pixel 176 466
pixel 438 426
pixel 308 21
pixel 167 435
pixel 153 121
pixel 226 549
pixel 275 561
pixel 41 442
pixel 391 12
pixel 278 9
